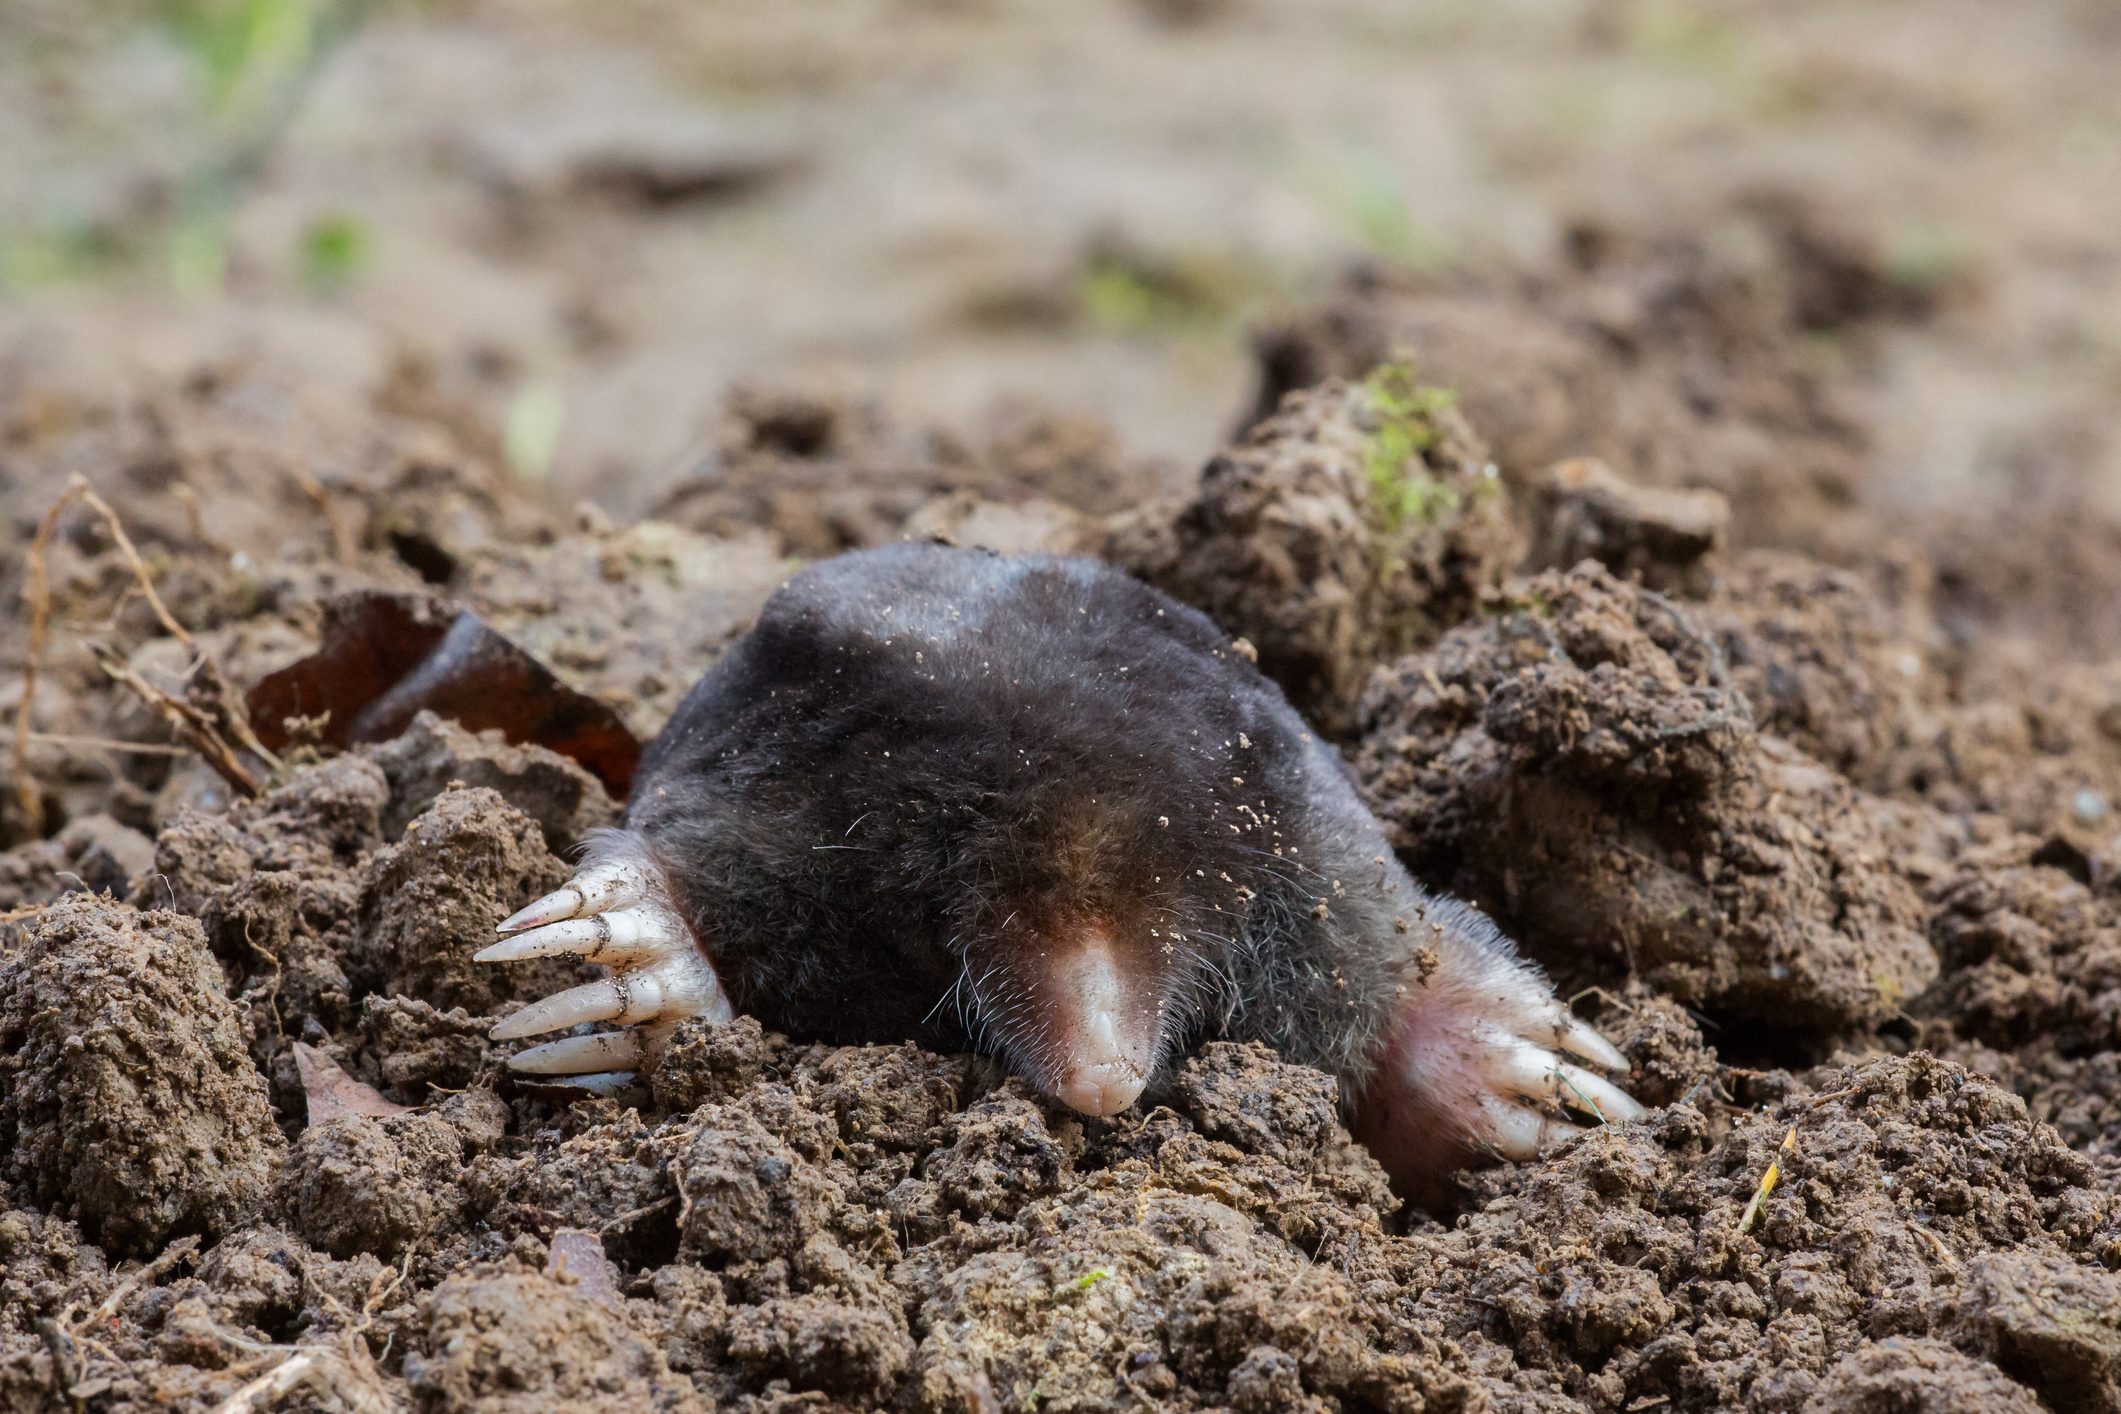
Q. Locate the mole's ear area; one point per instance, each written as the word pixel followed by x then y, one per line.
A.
pixel 1472 1066
pixel 618 911
pixel 1088 1024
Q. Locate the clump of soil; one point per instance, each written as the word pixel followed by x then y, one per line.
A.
pixel 462 866
pixel 1680 355
pixel 434 754
pixel 365 1184
pixel 126 1096
pixel 502 1338
pixel 1666 539
pixel 1630 1269
pixel 1355 523
pixel 1581 760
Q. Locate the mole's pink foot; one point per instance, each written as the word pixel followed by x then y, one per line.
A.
pixel 617 911
pixel 1474 1069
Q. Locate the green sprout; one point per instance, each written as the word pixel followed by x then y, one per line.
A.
pixel 335 248
pixel 1128 293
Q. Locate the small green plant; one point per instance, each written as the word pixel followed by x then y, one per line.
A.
pixel 243 48
pixel 34 258
pixel 335 248
pixel 530 434
pixel 1091 1278
pixel 1128 292
pixel 1402 492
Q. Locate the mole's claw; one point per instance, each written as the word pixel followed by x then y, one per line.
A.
pixel 623 935
pixel 598 889
pixel 607 1082
pixel 1517 1132
pixel 581 1055
pixel 671 990
pixel 1523 1068
pixel 595 1001
pixel 1580 1038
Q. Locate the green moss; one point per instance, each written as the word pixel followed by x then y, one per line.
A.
pixel 1403 492
pixel 1529 602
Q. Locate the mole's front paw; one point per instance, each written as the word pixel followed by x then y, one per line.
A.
pixel 617 911
pixel 1475 1068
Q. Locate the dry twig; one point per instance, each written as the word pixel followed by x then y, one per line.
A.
pixel 200 726
pixel 37 598
pixel 348 1379
pixel 193 726
pixel 105 743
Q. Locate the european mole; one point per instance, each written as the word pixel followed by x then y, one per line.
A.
pixel 1030 806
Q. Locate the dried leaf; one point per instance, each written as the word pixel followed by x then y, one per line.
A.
pixel 579 1255
pixel 385 657
pixel 333 1094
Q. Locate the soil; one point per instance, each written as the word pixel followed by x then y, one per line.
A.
pixel 1708 568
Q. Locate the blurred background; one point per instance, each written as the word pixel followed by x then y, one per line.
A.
pixel 581 226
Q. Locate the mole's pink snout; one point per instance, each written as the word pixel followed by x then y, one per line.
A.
pixel 1104 1028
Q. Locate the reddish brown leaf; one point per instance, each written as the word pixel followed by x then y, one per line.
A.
pixel 579 1255
pixel 385 657
pixel 333 1094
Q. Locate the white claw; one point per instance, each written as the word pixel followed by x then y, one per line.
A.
pixel 624 935
pixel 1594 1094
pixel 581 1055
pixel 606 1000
pixel 1522 1068
pixel 600 889
pixel 609 1082
pixel 677 987
pixel 1582 1039
pixel 1518 1133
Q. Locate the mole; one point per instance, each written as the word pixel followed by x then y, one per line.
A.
pixel 1029 806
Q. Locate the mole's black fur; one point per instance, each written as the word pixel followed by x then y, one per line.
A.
pixel 926 764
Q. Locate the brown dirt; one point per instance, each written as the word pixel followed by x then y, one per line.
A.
pixel 1736 790
pixel 1768 688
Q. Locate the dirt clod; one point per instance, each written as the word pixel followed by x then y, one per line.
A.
pixel 126 1095
pixel 1582 760
pixel 1358 522
pixel 509 1340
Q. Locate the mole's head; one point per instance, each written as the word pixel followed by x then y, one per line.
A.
pixel 1086 934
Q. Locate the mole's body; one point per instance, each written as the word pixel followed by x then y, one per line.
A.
pixel 1031 806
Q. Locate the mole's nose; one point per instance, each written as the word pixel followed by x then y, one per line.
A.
pixel 1105 1029
pixel 1104 1079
